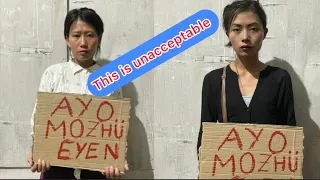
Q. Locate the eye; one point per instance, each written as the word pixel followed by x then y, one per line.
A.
pixel 236 30
pixel 254 29
pixel 76 35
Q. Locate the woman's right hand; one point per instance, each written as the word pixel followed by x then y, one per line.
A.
pixel 39 166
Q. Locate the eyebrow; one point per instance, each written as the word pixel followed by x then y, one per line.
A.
pixel 234 24
pixel 78 31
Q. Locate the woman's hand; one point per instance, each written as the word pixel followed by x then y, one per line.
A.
pixel 39 166
pixel 114 173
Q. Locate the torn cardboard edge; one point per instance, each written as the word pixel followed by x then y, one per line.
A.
pixel 82 95
pixel 253 125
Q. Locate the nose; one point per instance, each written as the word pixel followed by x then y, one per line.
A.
pixel 245 36
pixel 83 42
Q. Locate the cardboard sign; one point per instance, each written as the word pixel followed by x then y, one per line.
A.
pixel 251 151
pixel 81 131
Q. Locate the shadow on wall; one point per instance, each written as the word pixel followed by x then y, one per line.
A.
pixel 138 154
pixel 302 103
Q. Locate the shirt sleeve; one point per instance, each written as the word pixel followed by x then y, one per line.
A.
pixel 46 84
pixel 288 101
pixel 208 108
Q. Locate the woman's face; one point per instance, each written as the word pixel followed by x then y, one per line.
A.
pixel 246 34
pixel 83 41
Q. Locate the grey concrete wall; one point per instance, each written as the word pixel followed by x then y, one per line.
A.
pixel 31 39
pixel 166 101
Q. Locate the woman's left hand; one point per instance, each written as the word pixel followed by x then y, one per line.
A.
pixel 114 173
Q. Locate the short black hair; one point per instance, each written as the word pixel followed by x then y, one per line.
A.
pixel 238 6
pixel 87 15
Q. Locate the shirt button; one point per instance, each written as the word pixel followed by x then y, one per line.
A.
pixel 248 109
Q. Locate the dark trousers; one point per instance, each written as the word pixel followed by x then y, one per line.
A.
pixel 68 173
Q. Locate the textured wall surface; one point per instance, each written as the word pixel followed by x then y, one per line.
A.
pixel 165 101
pixel 30 40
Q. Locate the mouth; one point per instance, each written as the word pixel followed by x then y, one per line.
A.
pixel 246 47
pixel 83 52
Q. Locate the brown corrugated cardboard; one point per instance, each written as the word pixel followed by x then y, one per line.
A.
pixel 81 131
pixel 250 151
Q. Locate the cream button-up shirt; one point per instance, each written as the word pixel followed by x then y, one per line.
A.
pixel 68 77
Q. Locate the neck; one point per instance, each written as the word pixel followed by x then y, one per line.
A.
pixel 250 64
pixel 85 64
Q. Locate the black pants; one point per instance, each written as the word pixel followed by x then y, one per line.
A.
pixel 68 173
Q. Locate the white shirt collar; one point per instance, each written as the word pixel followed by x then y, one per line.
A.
pixel 75 68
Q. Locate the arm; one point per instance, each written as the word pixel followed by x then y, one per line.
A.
pixel 45 86
pixel 288 102
pixel 208 109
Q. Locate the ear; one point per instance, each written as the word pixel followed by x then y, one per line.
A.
pixel 99 41
pixel 67 41
pixel 265 33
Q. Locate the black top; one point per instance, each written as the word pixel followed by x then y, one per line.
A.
pixel 272 102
